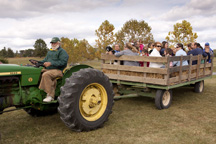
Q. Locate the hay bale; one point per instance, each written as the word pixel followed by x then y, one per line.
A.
pixel 155 76
pixel 109 71
pixel 176 74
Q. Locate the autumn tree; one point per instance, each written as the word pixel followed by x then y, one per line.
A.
pixel 87 51
pixel 40 48
pixel 70 47
pixel 78 50
pixel 105 37
pixel 182 33
pixel 134 30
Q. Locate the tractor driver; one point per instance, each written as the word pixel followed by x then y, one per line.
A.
pixel 54 62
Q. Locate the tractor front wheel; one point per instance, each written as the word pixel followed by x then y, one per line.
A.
pixel 86 100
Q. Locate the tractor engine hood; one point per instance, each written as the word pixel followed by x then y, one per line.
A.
pixel 28 75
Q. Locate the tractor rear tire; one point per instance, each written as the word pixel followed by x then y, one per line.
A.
pixel 86 100
pixel 163 99
pixel 199 86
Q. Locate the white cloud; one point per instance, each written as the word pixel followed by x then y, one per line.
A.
pixel 191 9
pixel 24 21
pixel 33 8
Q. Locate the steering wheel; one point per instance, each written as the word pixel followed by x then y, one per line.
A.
pixel 36 63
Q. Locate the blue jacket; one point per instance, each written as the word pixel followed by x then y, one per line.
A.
pixel 194 52
pixel 208 54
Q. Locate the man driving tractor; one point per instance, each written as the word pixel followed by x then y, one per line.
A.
pixel 54 62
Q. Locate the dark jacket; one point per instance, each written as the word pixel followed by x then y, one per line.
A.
pixel 209 54
pixel 194 52
pixel 58 59
pixel 162 51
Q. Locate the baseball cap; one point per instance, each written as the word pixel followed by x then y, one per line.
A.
pixel 207 44
pixel 55 39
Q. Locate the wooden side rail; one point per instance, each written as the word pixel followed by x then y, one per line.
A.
pixel 159 76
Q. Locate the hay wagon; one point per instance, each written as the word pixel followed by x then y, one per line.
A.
pixel 157 83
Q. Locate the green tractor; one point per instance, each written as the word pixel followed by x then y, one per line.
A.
pixel 84 96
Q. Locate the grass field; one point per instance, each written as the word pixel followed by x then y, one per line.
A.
pixel 22 60
pixel 190 119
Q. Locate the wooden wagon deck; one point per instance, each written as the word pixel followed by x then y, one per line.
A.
pixel 168 76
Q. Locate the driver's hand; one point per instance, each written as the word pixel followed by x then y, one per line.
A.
pixel 47 64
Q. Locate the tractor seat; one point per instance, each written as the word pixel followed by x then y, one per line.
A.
pixel 65 70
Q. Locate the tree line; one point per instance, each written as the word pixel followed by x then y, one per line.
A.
pixel 132 30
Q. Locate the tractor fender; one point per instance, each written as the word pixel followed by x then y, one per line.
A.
pixel 68 72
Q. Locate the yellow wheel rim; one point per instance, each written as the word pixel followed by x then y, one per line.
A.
pixel 93 102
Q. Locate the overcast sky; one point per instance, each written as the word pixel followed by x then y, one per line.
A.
pixel 24 21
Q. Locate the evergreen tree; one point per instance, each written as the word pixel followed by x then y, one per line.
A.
pixel 3 53
pixel 40 48
pixel 10 53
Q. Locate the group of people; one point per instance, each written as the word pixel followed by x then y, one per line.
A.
pixel 158 49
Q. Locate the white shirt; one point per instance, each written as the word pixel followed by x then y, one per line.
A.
pixel 155 53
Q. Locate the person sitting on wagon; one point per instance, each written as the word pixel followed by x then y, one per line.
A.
pixel 207 51
pixel 163 48
pixel 131 51
pixel 180 52
pixel 189 46
pixel 55 62
pixel 150 47
pixel 156 53
pixel 168 52
pixel 137 45
pixel 195 51
pixel 144 53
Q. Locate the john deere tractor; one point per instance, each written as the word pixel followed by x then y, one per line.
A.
pixel 83 97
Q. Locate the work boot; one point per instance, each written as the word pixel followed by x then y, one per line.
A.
pixel 48 99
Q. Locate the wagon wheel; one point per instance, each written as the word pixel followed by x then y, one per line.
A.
pixel 86 100
pixel 163 99
pixel 199 86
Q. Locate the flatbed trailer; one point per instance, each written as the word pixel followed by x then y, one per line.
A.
pixel 157 83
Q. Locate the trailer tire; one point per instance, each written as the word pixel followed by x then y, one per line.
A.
pixel 199 86
pixel 163 99
pixel 86 100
